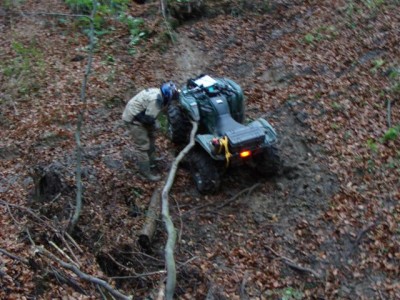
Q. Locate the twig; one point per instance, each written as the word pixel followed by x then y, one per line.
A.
pixel 378 291
pixel 294 265
pixel 171 241
pixel 10 184
pixel 101 292
pixel 15 257
pixel 63 253
pixel 73 242
pixel 243 293
pixel 11 214
pixel 61 277
pixel 30 212
pixel 389 121
pixel 69 249
pixel 139 275
pixel 187 262
pixel 121 265
pixel 360 236
pixel 153 273
pixel 83 275
pixel 248 190
pixel 30 237
pixel 363 232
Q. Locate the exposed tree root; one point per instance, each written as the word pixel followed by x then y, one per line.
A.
pixel 294 265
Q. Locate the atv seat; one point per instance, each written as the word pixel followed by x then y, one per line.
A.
pixel 226 123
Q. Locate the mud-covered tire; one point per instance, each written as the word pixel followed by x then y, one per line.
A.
pixel 179 125
pixel 204 172
pixel 269 162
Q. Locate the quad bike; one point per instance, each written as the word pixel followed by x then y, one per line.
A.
pixel 222 140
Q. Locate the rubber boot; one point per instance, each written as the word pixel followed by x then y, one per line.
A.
pixel 154 160
pixel 144 169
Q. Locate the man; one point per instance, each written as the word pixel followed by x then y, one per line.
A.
pixel 140 116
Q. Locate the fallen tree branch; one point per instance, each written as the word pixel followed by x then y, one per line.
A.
pixel 150 223
pixel 249 190
pixel 78 132
pixel 294 265
pixel 243 294
pixel 171 241
pixel 64 254
pixel 121 265
pixel 43 220
pixel 62 277
pixel 73 242
pixel 61 236
pixel 389 113
pixel 164 13
pixel 360 236
pixel 15 257
pixel 139 275
pixel 363 232
pixel 83 275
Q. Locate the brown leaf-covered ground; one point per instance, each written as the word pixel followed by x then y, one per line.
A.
pixel 322 72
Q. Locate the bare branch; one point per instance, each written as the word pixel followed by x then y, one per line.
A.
pixel 78 206
pixel 171 241
pixel 30 212
pixel 389 118
pixel 83 275
pixel 248 190
pixel 294 265
pixel 15 257
pixel 63 253
pixel 360 236
pixel 73 242
pixel 163 5
pixel 69 249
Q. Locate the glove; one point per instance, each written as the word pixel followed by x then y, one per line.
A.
pixel 145 119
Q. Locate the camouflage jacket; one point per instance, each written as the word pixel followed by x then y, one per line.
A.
pixel 148 100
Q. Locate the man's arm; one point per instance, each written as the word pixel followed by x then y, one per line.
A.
pixel 145 119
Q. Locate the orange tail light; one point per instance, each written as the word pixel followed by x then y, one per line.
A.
pixel 245 154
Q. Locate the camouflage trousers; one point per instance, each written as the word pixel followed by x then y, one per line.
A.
pixel 143 139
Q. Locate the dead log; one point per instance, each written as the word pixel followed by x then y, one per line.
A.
pixel 150 224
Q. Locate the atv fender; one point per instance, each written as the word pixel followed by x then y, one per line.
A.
pixel 204 140
pixel 190 105
pixel 270 134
